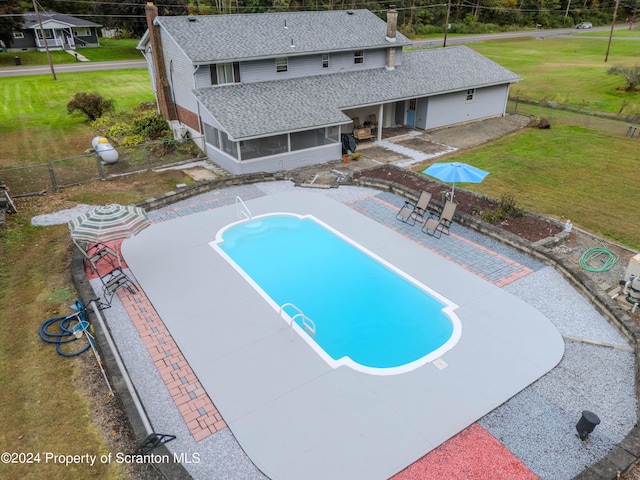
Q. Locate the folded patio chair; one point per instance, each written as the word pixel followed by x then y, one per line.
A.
pixel 435 227
pixel 99 253
pixel 411 212
pixel 113 281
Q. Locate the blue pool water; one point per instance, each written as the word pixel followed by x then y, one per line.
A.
pixel 367 314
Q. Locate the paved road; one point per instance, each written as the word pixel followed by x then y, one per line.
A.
pixel 70 67
pixel 539 33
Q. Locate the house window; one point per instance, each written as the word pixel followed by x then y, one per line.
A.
pixel 471 93
pixel 225 73
pixel 47 33
pixel 18 34
pixel 82 32
pixel 325 60
pixel 282 64
pixel 358 56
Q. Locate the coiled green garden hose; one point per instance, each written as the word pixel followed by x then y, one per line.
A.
pixel 592 253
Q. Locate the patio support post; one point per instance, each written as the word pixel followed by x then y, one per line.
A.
pixel 380 122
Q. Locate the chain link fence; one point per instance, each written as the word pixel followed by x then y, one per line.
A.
pixel 560 114
pixel 36 179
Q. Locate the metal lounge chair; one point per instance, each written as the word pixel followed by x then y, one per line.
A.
pixel 98 253
pixel 437 227
pixel 411 212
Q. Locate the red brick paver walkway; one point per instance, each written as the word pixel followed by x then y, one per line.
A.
pixel 195 406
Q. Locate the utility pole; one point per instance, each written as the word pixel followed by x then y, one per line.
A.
pixel 613 22
pixel 446 24
pixel 44 38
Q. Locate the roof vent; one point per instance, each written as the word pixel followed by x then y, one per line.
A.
pixel 191 19
pixel 349 12
pixel 285 23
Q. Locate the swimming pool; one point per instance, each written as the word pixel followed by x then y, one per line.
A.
pixel 351 306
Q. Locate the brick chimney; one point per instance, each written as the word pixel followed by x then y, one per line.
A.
pixel 392 27
pixel 163 88
pixel 392 23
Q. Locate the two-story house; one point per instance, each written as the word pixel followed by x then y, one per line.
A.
pixel 275 91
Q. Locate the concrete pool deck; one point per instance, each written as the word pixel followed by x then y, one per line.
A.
pixel 532 435
pixel 291 413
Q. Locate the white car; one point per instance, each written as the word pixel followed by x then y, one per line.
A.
pixel 584 25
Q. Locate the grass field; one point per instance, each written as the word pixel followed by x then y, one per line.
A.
pixel 109 50
pixel 587 176
pixel 568 70
pixel 566 172
pixel 34 120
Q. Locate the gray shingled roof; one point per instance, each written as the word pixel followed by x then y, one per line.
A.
pixel 268 108
pixel 201 37
pixel 31 19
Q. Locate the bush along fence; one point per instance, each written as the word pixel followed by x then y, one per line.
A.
pixel 40 178
pixel 562 114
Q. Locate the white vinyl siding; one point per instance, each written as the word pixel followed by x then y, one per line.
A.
pixel 452 108
pixel 179 71
pixel 309 65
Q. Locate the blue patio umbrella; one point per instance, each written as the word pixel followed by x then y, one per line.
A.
pixel 456 172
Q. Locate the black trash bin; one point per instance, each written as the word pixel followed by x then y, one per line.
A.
pixel 18 61
pixel 586 424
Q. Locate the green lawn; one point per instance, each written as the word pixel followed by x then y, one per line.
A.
pixel 568 70
pixel 34 118
pixel 567 173
pixel 109 50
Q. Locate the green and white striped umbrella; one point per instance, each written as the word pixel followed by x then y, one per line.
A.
pixel 109 223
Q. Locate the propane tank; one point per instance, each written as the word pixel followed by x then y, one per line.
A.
pixel 104 150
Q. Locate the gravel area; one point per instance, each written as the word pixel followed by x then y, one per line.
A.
pixel 537 425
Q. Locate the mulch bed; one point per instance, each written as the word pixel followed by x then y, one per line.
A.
pixel 529 227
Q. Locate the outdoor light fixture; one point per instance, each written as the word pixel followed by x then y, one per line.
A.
pixel 586 424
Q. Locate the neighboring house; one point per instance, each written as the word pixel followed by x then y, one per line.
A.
pixel 61 32
pixel 276 91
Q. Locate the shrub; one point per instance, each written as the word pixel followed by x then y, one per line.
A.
pixel 151 126
pixel 92 105
pixel 506 209
pixel 118 130
pixel 132 140
pixel 169 144
pixel 630 74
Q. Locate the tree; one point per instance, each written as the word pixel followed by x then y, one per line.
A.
pixel 630 74
pixel 10 20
